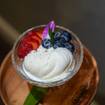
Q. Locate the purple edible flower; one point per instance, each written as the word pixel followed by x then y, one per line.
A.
pixel 51 26
pixel 45 32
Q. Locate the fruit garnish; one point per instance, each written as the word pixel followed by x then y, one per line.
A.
pixel 57 44
pixel 57 36
pixel 62 39
pixel 46 43
pixel 56 39
pixel 66 36
pixel 31 41
pixel 69 46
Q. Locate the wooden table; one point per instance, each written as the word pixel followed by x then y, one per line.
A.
pixel 79 90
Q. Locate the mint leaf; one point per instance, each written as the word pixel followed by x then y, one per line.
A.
pixel 51 34
pixel 35 95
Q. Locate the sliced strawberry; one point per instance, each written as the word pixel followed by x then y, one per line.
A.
pixel 24 50
pixel 31 41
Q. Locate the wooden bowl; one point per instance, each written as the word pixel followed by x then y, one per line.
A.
pixel 79 90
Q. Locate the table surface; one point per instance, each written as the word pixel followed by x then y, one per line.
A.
pixel 80 89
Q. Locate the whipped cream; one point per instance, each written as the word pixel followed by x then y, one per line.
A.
pixel 47 63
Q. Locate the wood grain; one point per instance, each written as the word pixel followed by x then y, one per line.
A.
pixel 79 90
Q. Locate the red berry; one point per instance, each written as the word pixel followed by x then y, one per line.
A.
pixel 24 50
pixel 31 41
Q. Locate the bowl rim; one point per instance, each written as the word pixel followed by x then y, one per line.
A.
pixel 54 83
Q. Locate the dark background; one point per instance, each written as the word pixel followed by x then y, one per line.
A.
pixel 84 17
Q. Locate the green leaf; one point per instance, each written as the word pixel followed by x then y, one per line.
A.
pixel 35 96
pixel 51 34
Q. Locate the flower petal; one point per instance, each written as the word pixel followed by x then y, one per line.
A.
pixel 52 26
pixel 45 32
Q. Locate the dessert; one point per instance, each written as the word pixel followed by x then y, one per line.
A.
pixel 47 54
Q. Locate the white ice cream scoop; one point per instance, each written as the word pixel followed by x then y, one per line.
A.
pixel 47 63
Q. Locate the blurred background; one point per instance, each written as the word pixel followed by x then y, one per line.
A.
pixel 84 17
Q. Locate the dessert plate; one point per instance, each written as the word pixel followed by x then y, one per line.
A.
pixel 79 90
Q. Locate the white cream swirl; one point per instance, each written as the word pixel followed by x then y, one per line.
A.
pixel 47 63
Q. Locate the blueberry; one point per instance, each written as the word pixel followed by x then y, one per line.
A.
pixel 46 43
pixel 66 36
pixel 62 40
pixel 57 36
pixel 57 44
pixel 69 46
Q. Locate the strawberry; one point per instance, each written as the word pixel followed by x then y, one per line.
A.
pixel 31 41
pixel 24 49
